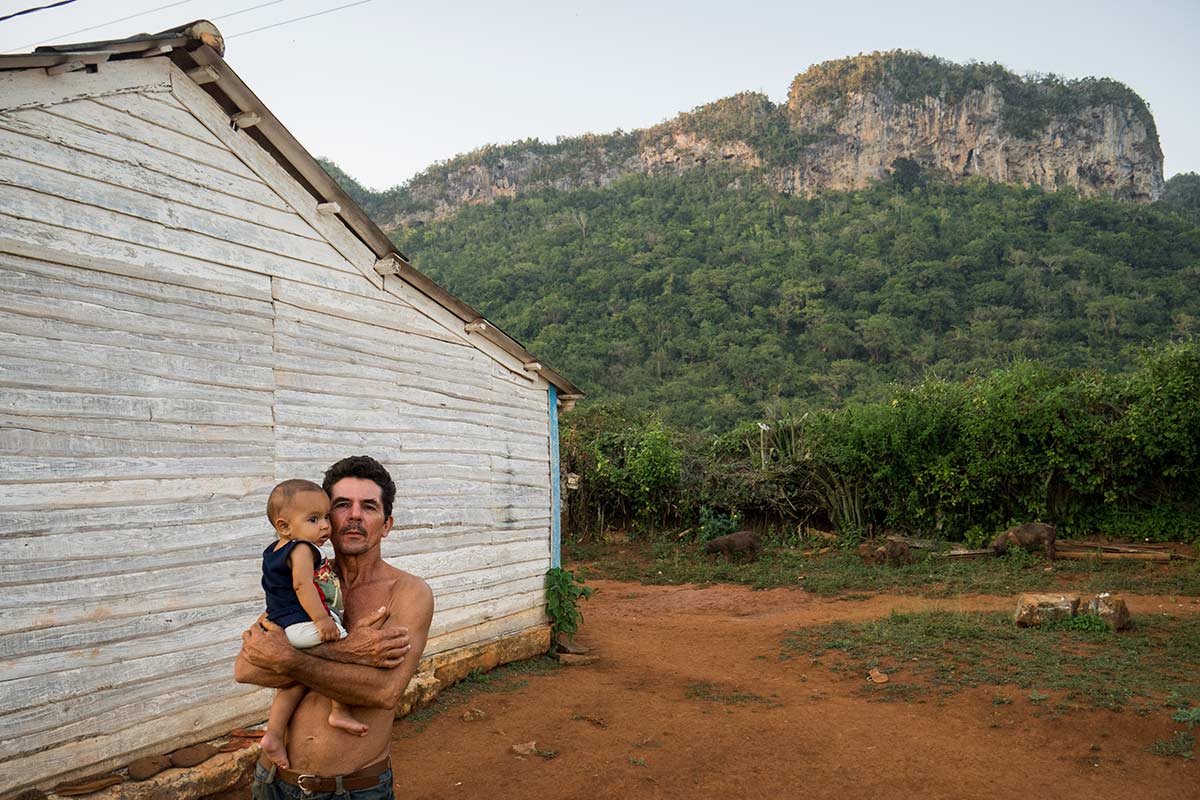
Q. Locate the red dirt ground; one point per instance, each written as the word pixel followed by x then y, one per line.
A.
pixel 814 738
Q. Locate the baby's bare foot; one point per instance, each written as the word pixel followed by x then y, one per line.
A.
pixel 342 719
pixel 272 745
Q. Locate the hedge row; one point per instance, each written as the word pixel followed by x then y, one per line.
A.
pixel 1091 452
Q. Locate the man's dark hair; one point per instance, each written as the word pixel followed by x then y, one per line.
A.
pixel 362 467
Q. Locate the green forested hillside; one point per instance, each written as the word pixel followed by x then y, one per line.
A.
pixel 713 298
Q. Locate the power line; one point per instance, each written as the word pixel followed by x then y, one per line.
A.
pixel 39 8
pixel 244 10
pixel 296 19
pixel 62 36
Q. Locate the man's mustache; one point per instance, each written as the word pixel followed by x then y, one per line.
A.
pixel 353 527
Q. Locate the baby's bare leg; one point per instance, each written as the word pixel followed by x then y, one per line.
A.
pixel 282 708
pixel 341 718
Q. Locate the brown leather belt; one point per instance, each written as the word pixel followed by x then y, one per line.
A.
pixel 363 778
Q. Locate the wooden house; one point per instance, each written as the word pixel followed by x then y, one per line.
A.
pixel 190 311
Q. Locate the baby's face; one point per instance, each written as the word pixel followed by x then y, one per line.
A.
pixel 308 517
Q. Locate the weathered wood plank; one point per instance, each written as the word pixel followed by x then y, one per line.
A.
pixel 115 597
pixel 407 465
pixel 86 285
pixel 363 337
pixel 93 314
pixel 419 449
pixel 456 389
pixel 164 266
pixel 33 703
pixel 405 402
pixel 408 416
pixel 27 88
pixel 225 374
pixel 109 641
pixel 404 542
pixel 434 565
pixel 273 174
pixel 465 616
pixel 410 439
pixel 37 123
pixel 115 709
pixel 26 146
pixel 491 629
pixel 300 348
pixel 20 441
pixel 465 588
pixel 16 372
pixel 33 206
pixel 96 494
pixel 132 201
pixel 412 392
pixel 150 108
pixel 119 123
pixel 68 436
pixel 375 309
pixel 137 547
pixel 55 469
pixel 43 403
pixel 105 329
pixel 205 717
pixel 143 522
pixel 68 673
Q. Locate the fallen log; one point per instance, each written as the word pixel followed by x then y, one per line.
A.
pixel 1104 555
pixel 959 553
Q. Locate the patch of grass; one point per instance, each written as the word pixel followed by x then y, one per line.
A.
pixel 841 573
pixel 941 652
pixel 1180 745
pixel 1190 716
pixel 711 692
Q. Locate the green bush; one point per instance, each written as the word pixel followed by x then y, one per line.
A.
pixel 1087 451
pixel 563 593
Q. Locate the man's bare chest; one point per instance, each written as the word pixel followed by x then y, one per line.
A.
pixel 366 598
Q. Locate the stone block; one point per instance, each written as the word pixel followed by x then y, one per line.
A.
pixel 1038 609
pixel 148 767
pixel 421 691
pixel 1111 609
pixel 192 755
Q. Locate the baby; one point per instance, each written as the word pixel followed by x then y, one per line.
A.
pixel 303 597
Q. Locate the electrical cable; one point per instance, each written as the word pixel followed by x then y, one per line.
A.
pixel 62 36
pixel 7 17
pixel 244 10
pixel 296 19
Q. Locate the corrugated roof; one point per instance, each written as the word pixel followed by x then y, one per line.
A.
pixel 198 49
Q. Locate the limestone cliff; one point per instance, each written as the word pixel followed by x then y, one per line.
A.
pixel 845 123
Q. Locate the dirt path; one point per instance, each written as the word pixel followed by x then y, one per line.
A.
pixel 795 729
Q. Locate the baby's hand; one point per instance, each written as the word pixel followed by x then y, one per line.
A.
pixel 327 630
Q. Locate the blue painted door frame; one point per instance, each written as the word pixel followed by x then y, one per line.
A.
pixel 555 486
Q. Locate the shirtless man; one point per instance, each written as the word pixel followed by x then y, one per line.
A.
pixel 388 612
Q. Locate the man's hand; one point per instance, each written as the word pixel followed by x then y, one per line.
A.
pixel 371 644
pixel 327 630
pixel 267 647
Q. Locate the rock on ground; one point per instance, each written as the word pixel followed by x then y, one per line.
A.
pixel 1038 609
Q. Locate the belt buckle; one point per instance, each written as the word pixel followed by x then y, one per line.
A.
pixel 300 782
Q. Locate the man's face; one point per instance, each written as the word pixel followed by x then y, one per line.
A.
pixel 356 516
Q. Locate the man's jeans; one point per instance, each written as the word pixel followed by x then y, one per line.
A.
pixel 278 790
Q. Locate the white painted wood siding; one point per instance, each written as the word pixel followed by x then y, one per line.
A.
pixel 179 329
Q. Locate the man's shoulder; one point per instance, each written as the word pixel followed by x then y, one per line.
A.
pixel 410 585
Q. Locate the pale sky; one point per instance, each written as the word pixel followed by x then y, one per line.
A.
pixel 386 88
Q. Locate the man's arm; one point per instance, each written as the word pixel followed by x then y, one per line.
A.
pixel 268 659
pixel 368 644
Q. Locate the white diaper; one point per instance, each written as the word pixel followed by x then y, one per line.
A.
pixel 304 635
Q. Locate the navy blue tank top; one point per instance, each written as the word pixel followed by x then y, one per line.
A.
pixel 283 606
